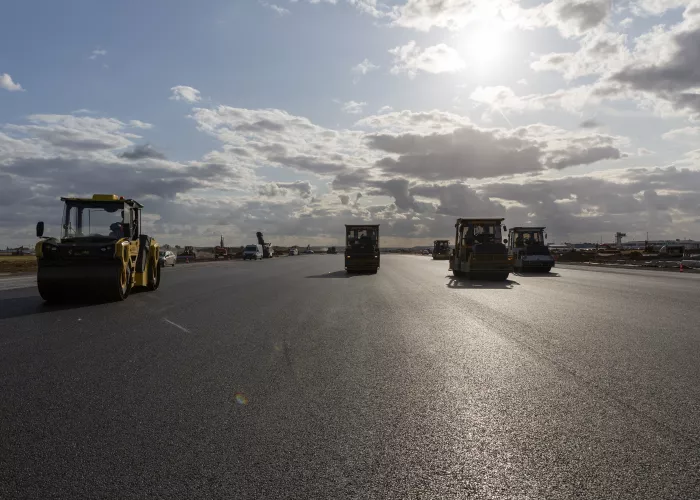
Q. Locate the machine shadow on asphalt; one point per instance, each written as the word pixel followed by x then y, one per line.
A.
pixel 480 284
pixel 26 306
pixel 340 274
pixel 537 275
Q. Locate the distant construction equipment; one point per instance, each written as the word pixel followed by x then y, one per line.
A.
pixel 618 239
pixel 268 252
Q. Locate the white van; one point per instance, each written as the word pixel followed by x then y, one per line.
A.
pixel 253 252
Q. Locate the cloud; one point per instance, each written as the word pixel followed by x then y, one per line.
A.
pixel 141 151
pixel 344 199
pixel 353 107
pixel 74 135
pixel 451 14
pixel 575 17
pixel 684 135
pixel 140 124
pixel 420 122
pixel 665 65
pixel 364 67
pixel 472 152
pixel 411 59
pixel 501 98
pixel 590 123
pixel 280 11
pixel 185 93
pixel 302 188
pixel 7 84
pixel 97 53
pixel 655 7
pixel 600 53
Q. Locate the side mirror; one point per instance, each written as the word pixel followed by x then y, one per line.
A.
pixel 40 229
pixel 505 241
pixel 505 228
pixel 545 236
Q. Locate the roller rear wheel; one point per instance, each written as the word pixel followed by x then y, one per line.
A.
pixel 153 277
pixel 120 284
pixel 48 292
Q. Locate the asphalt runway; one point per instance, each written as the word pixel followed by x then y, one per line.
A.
pixel 289 379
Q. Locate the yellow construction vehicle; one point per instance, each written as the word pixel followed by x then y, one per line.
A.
pixel 101 251
pixel 362 248
pixel 441 249
pixel 478 251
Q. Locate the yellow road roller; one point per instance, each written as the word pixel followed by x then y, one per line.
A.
pixel 101 252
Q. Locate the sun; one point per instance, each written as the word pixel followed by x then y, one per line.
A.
pixel 484 44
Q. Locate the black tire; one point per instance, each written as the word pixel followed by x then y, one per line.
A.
pixel 120 285
pixel 173 264
pixel 546 269
pixel 153 278
pixel 49 293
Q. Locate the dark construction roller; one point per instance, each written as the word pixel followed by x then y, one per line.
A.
pixel 101 253
pixel 105 280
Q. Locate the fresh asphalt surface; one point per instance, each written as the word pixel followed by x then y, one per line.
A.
pixel 288 379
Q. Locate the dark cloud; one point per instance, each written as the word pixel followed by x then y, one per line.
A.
pixel 350 181
pixel 141 151
pixel 673 78
pixel 65 176
pixel 585 14
pixel 261 126
pixel 344 199
pixel 312 164
pixel 397 189
pixel 459 200
pixel 590 123
pixel 466 152
pixel 301 187
pixel 273 189
pixel 585 156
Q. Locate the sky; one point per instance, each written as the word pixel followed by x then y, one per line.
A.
pixel 295 117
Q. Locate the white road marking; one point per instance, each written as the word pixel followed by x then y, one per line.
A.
pixel 176 325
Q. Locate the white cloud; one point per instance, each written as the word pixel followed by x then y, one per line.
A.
pixel 689 135
pixel 98 53
pixel 411 59
pixel 364 67
pixel 140 124
pixel 353 107
pixel 503 99
pixel 280 11
pixel 655 7
pixel 451 14
pixel 185 93
pixel 7 84
pixel 600 52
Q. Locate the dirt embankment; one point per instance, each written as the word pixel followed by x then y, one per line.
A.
pixel 17 263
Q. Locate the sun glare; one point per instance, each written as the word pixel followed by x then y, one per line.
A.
pixel 483 45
